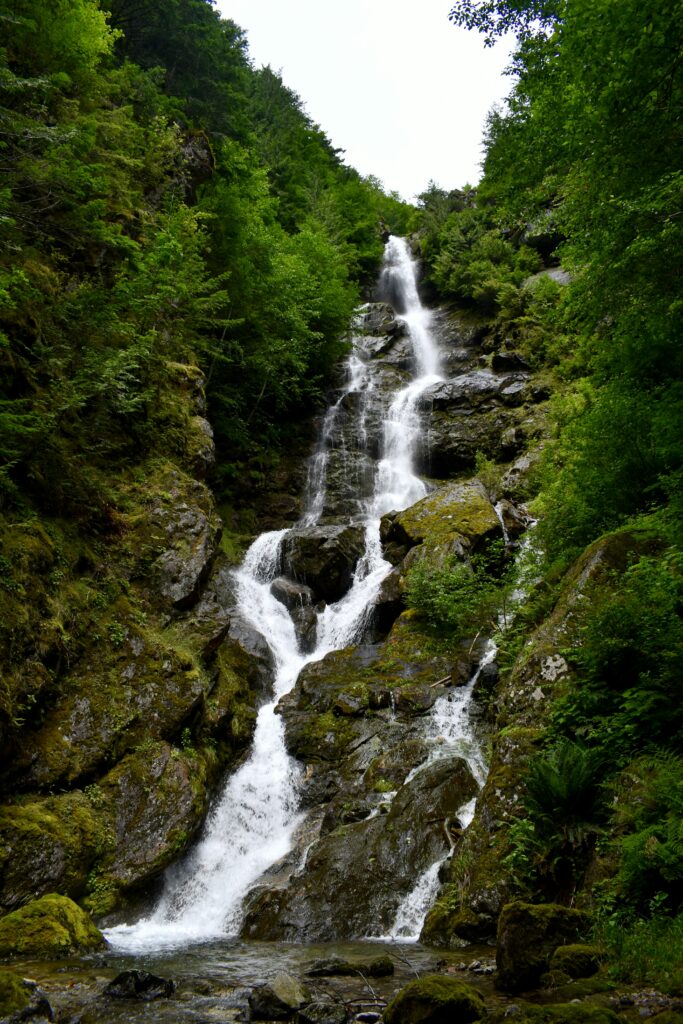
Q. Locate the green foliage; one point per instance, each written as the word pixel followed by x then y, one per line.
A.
pixel 460 596
pixel 630 662
pixel 645 951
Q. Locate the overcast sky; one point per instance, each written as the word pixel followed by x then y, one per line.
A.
pixel 391 82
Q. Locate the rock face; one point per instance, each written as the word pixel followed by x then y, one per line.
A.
pixel 356 875
pixel 50 927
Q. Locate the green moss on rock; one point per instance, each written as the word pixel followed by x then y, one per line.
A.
pixel 577 960
pixel 528 935
pixel 435 999
pixel 52 926
pixel 14 994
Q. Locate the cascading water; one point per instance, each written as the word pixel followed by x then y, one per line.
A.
pixel 251 825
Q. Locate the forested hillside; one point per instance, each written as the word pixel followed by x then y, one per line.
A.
pixel 162 201
pixel 571 247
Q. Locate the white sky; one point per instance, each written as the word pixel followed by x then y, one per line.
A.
pixel 392 82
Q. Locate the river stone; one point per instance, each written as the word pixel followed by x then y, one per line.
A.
pixel 528 935
pixel 324 557
pixel 435 999
pixel 50 927
pixel 291 594
pixel 139 985
pixel 335 966
pixel 322 1012
pixel 280 999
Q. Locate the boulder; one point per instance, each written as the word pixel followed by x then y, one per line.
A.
pixel 323 1012
pixel 142 985
pixel 478 389
pixel 335 966
pixel 278 1000
pixel 50 927
pixel 528 935
pixel 456 511
pixel 577 960
pixel 435 999
pixel 324 557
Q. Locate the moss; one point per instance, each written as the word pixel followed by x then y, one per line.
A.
pixel 48 843
pixel 577 960
pixel 14 993
pixel 49 927
pixel 569 1013
pixel 435 999
pixel 460 509
pixel 528 935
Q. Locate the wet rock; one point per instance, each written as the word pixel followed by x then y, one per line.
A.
pixel 291 594
pixel 479 389
pixel 389 602
pixel 378 318
pixel 139 985
pixel 46 844
pixel 324 557
pixel 154 801
pixel 140 688
pixel 435 999
pixel 280 999
pixel 517 520
pixel 199 446
pixel 260 664
pixel 190 529
pixel 528 935
pixel 209 619
pixel 335 966
pixel 506 360
pixel 322 1012
pixel 356 876
pixel 393 766
pixel 52 926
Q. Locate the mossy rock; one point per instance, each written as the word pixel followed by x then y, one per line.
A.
pixel 568 1013
pixel 49 843
pixel 15 995
pixel 435 999
pixel 50 927
pixel 528 935
pixel 457 508
pixel 577 960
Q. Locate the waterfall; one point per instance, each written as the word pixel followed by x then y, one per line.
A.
pixel 251 824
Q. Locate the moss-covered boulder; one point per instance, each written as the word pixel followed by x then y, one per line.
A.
pixel 435 999
pixel 278 1000
pixel 566 1013
pixel 576 960
pixel 50 927
pixel 155 801
pixel 456 510
pixel 528 935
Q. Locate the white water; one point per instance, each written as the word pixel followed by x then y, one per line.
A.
pixel 251 825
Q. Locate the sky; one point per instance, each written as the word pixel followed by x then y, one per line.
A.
pixel 391 82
